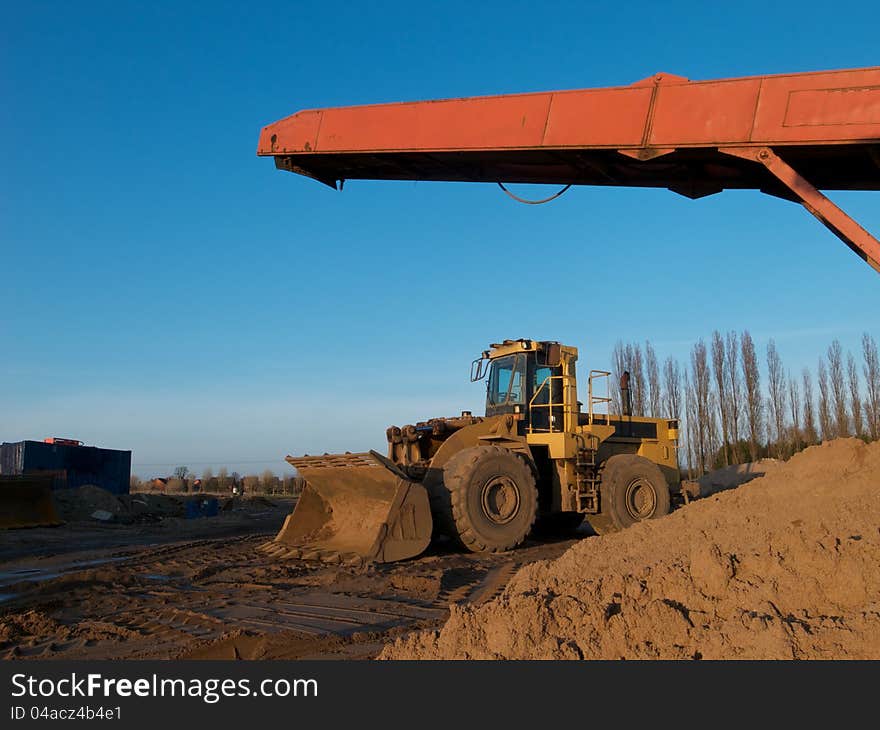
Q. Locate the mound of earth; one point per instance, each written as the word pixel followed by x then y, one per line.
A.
pixel 735 476
pixel 82 502
pixel 33 627
pixel 154 505
pixel 786 566
pixel 75 505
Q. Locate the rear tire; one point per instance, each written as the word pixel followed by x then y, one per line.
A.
pixel 492 496
pixel 633 489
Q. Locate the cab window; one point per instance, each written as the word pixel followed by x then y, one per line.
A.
pixel 507 381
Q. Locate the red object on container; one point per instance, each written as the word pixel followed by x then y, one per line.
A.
pixel 786 135
pixel 62 442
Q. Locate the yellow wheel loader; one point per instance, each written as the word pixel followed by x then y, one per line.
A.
pixel 483 481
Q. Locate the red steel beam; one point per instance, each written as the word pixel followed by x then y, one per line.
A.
pixel 694 137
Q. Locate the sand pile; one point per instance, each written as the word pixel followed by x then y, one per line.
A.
pixel 32 627
pixel 159 506
pixel 735 476
pixel 82 502
pixel 31 623
pixel 786 566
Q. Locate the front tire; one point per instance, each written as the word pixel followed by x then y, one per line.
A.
pixel 492 496
pixel 632 490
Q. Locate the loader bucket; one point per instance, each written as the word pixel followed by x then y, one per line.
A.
pixel 354 508
pixel 26 501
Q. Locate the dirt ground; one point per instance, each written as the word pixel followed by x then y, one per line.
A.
pixel 201 588
pixel 780 560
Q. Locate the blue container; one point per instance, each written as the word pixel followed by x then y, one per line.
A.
pixel 71 466
pixel 202 507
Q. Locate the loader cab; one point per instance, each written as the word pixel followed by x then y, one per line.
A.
pixel 525 378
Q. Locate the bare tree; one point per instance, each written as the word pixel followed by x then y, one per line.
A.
pixel 222 479
pixel 637 378
pixel 719 370
pixel 251 483
pixel 291 484
pixel 672 389
pixel 810 434
pixel 855 400
pixel 794 408
pixel 705 413
pixel 871 370
pixel 838 389
pixel 268 480
pixel 618 366
pixel 653 375
pixel 826 425
pixel 690 424
pixel 177 485
pixel 671 400
pixel 181 472
pixel 752 386
pixel 628 358
pixel 776 388
pixel 733 391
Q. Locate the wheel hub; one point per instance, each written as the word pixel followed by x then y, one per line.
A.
pixel 500 500
pixel 641 501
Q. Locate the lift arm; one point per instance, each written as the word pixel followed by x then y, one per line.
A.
pixel 786 135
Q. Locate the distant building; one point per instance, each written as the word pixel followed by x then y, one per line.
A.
pixel 70 463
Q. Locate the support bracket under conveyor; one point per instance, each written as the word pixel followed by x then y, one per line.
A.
pixel 833 217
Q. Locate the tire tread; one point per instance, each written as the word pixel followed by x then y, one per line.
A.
pixel 456 472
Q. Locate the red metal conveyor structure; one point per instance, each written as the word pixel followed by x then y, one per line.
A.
pixel 786 135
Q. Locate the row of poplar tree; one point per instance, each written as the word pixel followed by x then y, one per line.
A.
pixel 729 415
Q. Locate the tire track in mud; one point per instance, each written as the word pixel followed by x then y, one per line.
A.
pixel 224 597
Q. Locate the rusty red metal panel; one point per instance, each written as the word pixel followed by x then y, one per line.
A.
pixel 714 113
pixel 456 124
pixel 602 118
pixel 298 132
pixel 453 124
pixel 831 107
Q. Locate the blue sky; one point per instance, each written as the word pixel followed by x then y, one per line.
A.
pixel 166 291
